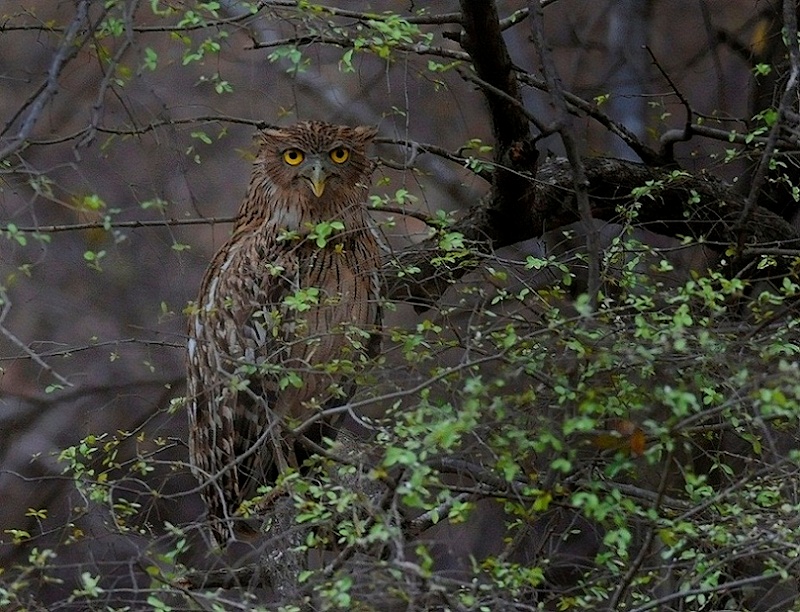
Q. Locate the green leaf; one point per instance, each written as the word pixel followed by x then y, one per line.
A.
pixel 201 136
pixel 150 59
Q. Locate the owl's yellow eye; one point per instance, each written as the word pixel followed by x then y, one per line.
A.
pixel 340 155
pixel 293 156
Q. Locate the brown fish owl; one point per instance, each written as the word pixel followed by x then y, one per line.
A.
pixel 287 310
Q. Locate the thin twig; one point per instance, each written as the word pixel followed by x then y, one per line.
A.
pixel 66 51
pixel 109 70
pixel 668 145
pixel 72 227
pixel 6 308
pixel 580 182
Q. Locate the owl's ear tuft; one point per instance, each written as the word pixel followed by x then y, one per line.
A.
pixel 268 136
pixel 365 133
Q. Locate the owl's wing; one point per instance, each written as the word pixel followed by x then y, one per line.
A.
pixel 234 334
pixel 211 428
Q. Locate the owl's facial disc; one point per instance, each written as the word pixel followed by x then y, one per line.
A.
pixel 316 175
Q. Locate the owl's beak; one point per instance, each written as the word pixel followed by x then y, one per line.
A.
pixel 317 178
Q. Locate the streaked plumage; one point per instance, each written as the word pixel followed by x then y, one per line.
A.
pixel 276 311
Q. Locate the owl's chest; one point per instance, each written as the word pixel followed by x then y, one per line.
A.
pixel 265 295
pixel 300 280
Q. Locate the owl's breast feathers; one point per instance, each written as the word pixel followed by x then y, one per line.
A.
pixel 278 308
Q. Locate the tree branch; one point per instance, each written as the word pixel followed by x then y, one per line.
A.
pixel 577 104
pixel 667 152
pixel 562 124
pixel 66 51
pixel 679 205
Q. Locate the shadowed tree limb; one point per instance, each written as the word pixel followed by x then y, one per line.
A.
pixel 504 216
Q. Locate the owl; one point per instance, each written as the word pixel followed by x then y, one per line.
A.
pixel 287 311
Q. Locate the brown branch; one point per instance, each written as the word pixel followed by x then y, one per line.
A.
pixel 68 48
pixel 72 227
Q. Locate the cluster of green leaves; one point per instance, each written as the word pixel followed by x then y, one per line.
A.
pixel 541 403
pixel 618 414
pixel 377 34
pixel 109 496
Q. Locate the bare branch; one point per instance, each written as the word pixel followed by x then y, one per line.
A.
pixel 72 227
pixel 5 303
pixel 109 71
pixel 495 91
pixel 66 51
pixel 580 181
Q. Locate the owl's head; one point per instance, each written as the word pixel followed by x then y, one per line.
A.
pixel 322 161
